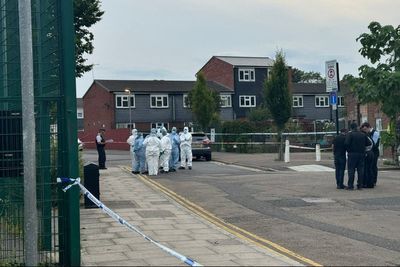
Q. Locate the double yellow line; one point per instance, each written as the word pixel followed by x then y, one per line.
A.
pixel 233 229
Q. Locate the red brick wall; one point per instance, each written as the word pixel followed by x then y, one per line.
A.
pixel 218 71
pixel 98 107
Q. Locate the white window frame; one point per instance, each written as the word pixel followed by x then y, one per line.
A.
pixel 298 101
pixel 159 125
pixel 125 101
pixel 185 96
pixel 249 72
pixel 340 101
pixel 322 98
pixel 247 99
pixel 226 100
pixel 159 98
pixel 124 125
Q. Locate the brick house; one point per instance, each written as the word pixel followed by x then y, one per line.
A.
pixel 149 104
pixel 243 75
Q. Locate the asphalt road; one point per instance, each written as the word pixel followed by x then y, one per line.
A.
pixel 302 211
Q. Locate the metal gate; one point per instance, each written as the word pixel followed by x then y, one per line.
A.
pixel 55 132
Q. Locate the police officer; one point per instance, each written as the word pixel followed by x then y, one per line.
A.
pixel 339 152
pixel 368 181
pixel 355 144
pixel 100 144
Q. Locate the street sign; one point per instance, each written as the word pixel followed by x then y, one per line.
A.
pixel 331 72
pixel 212 135
pixel 333 98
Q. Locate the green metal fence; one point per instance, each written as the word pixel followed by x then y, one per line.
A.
pixel 55 118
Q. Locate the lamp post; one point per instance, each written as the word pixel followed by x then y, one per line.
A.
pixel 130 107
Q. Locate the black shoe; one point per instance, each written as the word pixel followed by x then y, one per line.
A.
pixel 181 168
pixel 340 187
pixel 146 172
pixel 134 172
pixel 350 188
pixel 359 187
pixel 103 168
pixel 172 170
pixel 190 167
pixel 162 171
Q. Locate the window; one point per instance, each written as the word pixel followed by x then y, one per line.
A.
pixel 79 114
pixel 125 125
pixel 297 101
pixel 246 75
pixel 186 101
pixel 158 125
pixel 122 101
pixel 322 101
pixel 226 101
pixel 340 101
pixel 158 101
pixel 247 101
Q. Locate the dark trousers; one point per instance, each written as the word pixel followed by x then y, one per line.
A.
pixel 368 170
pixel 340 166
pixel 102 157
pixel 375 167
pixel 355 162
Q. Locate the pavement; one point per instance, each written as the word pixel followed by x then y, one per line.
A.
pixel 105 242
pixel 163 217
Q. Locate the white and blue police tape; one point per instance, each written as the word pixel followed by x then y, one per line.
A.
pixel 118 218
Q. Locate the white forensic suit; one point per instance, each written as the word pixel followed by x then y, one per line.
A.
pixel 166 147
pixel 186 149
pixel 153 148
pixel 131 142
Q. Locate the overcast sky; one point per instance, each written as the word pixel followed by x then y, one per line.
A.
pixel 173 39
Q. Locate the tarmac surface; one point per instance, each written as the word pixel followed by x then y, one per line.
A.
pixel 180 224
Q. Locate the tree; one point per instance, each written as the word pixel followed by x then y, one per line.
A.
pixel 299 76
pixel 204 103
pixel 380 83
pixel 86 14
pixel 277 96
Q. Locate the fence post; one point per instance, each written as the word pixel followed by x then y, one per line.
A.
pixel 29 135
pixel 317 152
pixel 287 151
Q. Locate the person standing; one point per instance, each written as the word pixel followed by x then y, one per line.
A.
pixel 140 151
pixel 355 144
pixel 370 163
pixel 175 141
pixel 153 147
pixel 375 136
pixel 165 151
pixel 100 145
pixel 186 149
pixel 339 153
pixel 131 142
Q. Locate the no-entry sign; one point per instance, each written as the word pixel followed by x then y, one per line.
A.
pixel 331 70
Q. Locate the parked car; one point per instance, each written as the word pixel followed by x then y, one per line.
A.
pixel 201 146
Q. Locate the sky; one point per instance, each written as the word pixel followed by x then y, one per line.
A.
pixel 173 39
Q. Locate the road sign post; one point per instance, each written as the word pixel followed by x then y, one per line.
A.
pixel 333 86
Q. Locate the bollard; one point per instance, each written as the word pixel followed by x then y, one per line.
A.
pixel 91 182
pixel 317 152
pixel 287 151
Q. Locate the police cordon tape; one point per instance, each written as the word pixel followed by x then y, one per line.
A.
pixel 119 219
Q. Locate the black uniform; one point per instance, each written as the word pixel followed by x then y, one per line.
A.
pixel 102 153
pixel 339 152
pixel 355 143
pixel 375 150
pixel 368 181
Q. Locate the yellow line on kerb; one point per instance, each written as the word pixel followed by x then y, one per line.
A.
pixel 224 225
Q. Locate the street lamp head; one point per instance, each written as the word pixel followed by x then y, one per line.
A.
pixel 128 90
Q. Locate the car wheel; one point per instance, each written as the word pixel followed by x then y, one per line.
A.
pixel 208 157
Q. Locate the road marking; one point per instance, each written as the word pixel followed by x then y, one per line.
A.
pixel 312 168
pixel 318 200
pixel 233 229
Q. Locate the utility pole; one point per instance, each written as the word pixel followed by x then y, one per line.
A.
pixel 29 135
